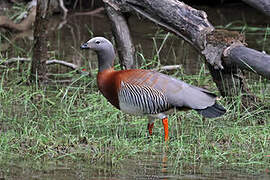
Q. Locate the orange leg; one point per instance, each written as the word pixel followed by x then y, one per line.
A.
pixel 150 127
pixel 166 129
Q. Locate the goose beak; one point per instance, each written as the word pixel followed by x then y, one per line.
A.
pixel 85 46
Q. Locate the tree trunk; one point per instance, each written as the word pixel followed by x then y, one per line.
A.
pixel 125 48
pixel 40 56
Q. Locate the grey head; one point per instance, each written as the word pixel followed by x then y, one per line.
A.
pixel 104 50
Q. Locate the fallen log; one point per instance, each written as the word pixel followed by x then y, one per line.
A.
pixel 193 26
pixel 261 5
pixel 249 59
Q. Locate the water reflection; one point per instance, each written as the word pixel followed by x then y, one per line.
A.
pixel 143 165
pixel 147 166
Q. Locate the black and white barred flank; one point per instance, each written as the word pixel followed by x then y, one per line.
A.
pixel 147 99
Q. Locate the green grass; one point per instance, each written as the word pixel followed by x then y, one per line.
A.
pixel 76 123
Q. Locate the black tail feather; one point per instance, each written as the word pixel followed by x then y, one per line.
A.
pixel 213 111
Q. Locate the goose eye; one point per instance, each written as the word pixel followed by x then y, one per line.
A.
pixel 97 42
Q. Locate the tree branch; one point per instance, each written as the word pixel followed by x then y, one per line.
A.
pixel 48 62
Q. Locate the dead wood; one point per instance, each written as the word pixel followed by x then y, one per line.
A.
pixel 168 68
pixel 193 26
pixel 48 62
pixel 261 5
pixel 249 59
pixel 125 48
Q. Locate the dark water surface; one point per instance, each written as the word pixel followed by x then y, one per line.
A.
pixel 65 39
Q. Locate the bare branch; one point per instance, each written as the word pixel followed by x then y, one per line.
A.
pixel 14 60
pixel 64 63
pixel 168 68
pixel 48 62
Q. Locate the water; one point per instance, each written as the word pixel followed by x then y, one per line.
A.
pixel 65 39
pixel 146 166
